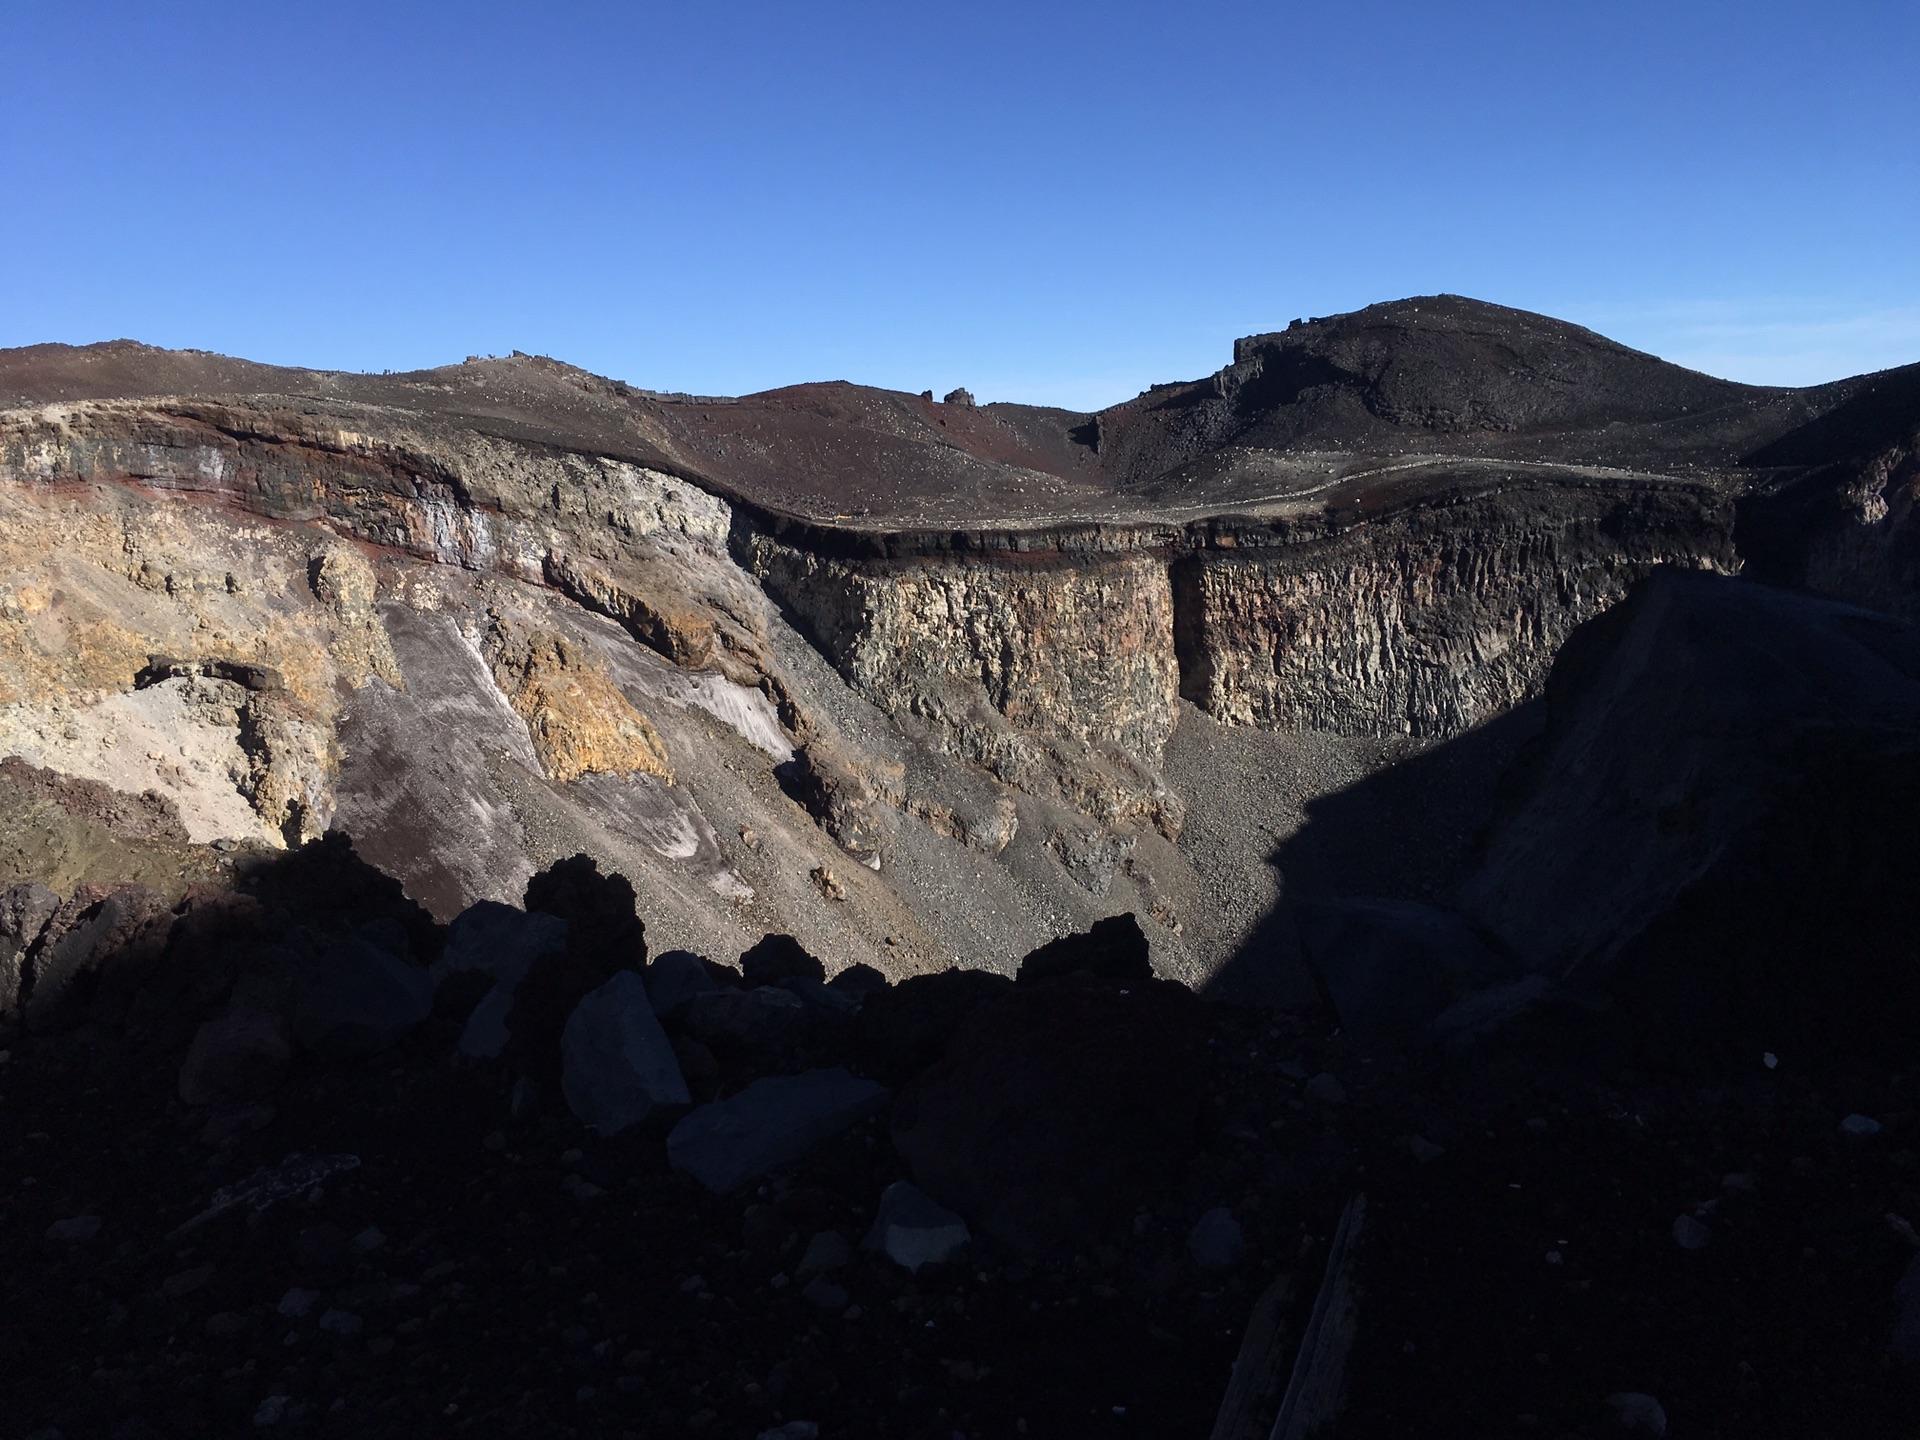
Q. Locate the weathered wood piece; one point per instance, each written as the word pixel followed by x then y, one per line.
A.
pixel 1314 1394
pixel 1253 1391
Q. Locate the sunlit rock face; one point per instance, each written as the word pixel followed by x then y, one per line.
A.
pixel 919 682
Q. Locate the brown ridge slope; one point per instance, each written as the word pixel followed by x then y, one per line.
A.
pixel 1453 381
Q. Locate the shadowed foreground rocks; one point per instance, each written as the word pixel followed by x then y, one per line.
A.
pixel 294 1158
pixel 1059 1109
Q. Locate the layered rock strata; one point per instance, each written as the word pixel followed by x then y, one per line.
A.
pixel 896 676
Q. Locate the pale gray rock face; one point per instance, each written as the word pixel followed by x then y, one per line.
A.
pixel 770 1123
pixel 618 1066
pixel 975 631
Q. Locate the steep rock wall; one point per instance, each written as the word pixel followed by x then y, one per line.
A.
pixel 1869 552
pixel 1055 673
pixel 1057 667
pixel 1427 622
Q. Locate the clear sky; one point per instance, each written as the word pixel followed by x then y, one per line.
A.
pixel 1052 202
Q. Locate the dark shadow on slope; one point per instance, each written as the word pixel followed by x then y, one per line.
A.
pixel 1709 843
pixel 1407 832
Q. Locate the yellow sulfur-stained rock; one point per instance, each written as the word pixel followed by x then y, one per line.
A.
pixel 579 721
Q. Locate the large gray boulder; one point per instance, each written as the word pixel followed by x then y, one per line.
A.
pixel 617 1065
pixel 350 995
pixel 1719 820
pixel 1391 966
pixel 772 1122
pixel 502 942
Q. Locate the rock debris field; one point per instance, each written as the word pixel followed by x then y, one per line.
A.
pixel 313 1164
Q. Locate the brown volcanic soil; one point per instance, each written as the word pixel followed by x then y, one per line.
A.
pixel 1456 381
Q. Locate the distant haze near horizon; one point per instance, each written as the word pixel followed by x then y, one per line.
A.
pixel 1057 205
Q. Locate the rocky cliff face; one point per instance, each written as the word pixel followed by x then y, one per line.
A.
pixel 914 706
pixel 1055 673
pixel 1431 621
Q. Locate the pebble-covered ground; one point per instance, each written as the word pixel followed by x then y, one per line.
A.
pixel 485 1273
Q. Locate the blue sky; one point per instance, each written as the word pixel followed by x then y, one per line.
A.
pixel 1058 203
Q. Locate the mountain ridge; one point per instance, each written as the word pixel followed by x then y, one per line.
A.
pixel 1442 375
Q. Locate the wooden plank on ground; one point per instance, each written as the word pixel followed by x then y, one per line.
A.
pixel 1319 1372
pixel 1253 1392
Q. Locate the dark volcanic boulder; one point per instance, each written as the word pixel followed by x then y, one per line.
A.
pixel 618 1066
pixel 90 932
pixel 351 995
pixel 599 909
pixel 236 1057
pixel 1390 966
pixel 902 1029
pixel 490 947
pixel 771 1122
pixel 604 937
pixel 1114 949
pixel 325 883
pixel 674 978
pixel 1059 1110
pixel 777 958
pixel 1719 821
